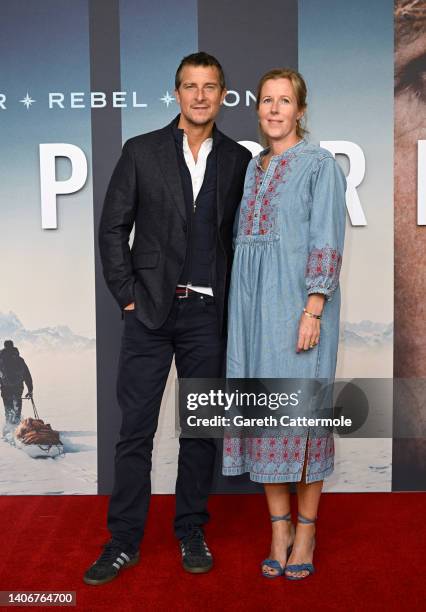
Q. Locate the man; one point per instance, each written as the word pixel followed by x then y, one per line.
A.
pixel 180 186
pixel 14 373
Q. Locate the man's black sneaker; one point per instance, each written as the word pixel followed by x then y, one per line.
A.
pixel 107 567
pixel 196 557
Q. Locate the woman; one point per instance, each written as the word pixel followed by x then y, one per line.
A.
pixel 284 307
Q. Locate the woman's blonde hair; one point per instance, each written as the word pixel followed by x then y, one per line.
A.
pixel 300 91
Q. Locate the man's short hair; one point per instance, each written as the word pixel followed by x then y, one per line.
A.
pixel 200 59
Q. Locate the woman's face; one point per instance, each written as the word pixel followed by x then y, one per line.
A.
pixel 278 111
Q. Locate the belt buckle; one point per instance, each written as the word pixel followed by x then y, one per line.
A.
pixel 183 297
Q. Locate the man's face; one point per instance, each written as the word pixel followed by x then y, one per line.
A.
pixel 410 109
pixel 410 245
pixel 199 94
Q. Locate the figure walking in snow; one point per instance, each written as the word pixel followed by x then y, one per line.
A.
pixel 14 373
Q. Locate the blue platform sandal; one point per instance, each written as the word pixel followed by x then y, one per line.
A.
pixel 273 563
pixel 301 567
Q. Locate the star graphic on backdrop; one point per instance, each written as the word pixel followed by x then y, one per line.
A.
pixel 27 101
pixel 167 99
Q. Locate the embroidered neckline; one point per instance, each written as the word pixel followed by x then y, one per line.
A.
pixel 277 157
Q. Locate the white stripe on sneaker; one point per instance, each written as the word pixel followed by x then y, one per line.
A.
pixel 125 556
pixel 120 560
pixel 117 566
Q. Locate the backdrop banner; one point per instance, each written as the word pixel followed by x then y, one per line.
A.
pixel 47 296
pixel 409 447
pixel 78 80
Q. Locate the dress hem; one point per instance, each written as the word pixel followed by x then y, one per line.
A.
pixel 267 479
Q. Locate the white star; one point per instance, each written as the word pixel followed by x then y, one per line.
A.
pixel 167 99
pixel 27 101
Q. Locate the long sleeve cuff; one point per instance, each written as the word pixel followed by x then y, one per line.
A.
pixel 323 270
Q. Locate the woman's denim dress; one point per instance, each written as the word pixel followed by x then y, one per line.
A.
pixel 289 242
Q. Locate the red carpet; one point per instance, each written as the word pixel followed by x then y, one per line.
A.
pixel 370 555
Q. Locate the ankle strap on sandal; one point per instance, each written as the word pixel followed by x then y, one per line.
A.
pixel 305 521
pixel 284 517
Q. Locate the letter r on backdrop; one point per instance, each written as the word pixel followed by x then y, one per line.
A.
pixel 50 187
pixel 355 177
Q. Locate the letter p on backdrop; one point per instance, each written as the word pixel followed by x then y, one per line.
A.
pixel 50 187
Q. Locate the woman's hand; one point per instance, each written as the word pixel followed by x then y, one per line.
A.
pixel 309 333
pixel 309 326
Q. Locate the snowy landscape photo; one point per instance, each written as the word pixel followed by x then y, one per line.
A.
pixel 62 366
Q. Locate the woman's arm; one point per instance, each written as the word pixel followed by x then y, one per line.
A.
pixel 326 238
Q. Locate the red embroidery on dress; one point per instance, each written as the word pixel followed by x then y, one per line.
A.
pixel 247 214
pixel 267 222
pixel 283 459
pixel 323 268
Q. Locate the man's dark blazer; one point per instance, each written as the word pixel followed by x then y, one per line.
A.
pixel 146 190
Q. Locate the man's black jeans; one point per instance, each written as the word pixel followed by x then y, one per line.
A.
pixel 191 334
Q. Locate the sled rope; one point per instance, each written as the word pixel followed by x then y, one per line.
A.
pixel 34 409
